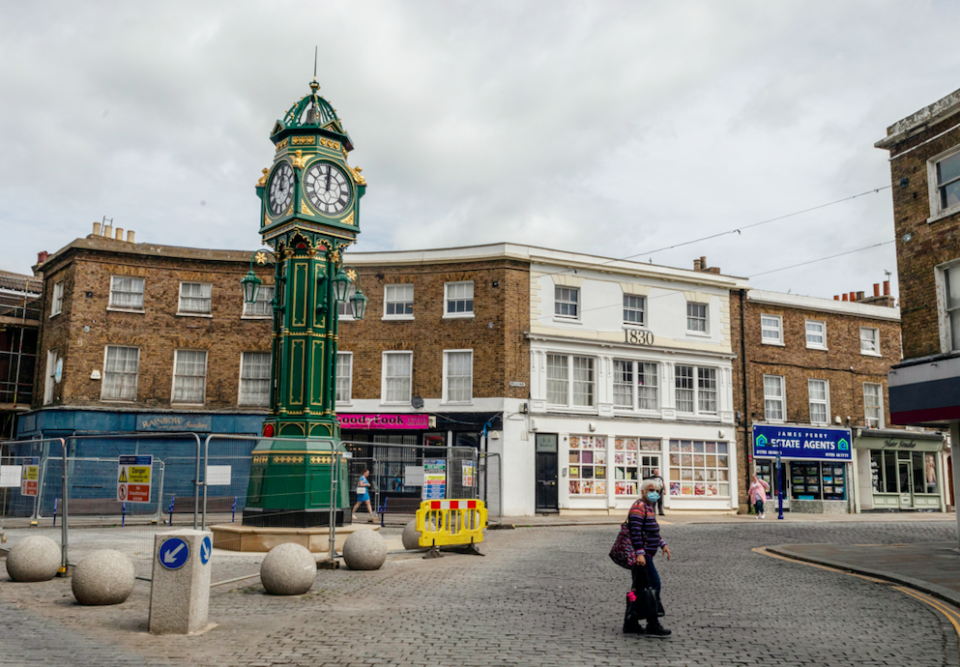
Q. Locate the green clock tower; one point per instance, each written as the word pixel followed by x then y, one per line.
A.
pixel 309 212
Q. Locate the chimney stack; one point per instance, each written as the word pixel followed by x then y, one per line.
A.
pixel 853 296
pixel 119 234
pixel 876 289
pixel 846 297
pixel 859 296
pixel 108 231
pixel 886 288
pixel 696 265
pixel 96 229
pixel 130 236
pixel 703 263
pixel 42 256
pixel 836 297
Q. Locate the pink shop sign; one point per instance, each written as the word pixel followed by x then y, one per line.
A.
pixel 378 421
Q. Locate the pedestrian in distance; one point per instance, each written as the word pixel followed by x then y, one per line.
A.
pixel 758 495
pixel 661 488
pixel 646 539
pixel 363 494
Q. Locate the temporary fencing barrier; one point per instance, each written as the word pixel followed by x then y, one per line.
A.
pixel 451 523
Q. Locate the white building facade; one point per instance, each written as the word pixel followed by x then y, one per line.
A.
pixel 630 371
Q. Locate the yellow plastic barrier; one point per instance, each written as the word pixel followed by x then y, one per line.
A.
pixel 451 522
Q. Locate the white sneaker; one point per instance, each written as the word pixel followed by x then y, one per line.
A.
pixel 763 515
pixel 758 516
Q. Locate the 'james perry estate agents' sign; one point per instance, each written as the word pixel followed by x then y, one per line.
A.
pixel 377 421
pixel 801 443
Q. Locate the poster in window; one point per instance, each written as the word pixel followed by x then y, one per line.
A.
pixel 699 489
pixel 674 488
pixel 574 471
pixel 631 445
pixel 828 480
pixel 712 490
pixel 600 457
pixel 574 487
pixel 618 458
pixel 574 442
pixel 600 488
pixel 687 490
pixel 601 472
pixel 586 487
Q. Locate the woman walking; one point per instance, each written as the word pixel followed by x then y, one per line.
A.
pixel 645 535
pixel 758 495
pixel 363 494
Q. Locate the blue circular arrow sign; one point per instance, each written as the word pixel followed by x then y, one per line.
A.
pixel 206 548
pixel 174 553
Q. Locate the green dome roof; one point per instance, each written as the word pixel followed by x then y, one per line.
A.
pixel 311 111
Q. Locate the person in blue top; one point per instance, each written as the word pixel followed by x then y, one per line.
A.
pixel 363 494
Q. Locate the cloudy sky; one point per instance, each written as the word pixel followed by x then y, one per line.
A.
pixel 615 128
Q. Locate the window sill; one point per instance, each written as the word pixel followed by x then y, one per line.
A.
pixel 698 334
pixel 192 405
pixel 253 405
pixel 818 347
pixel 945 213
pixel 345 404
pixel 771 342
pixel 208 315
pixel 55 315
pixel 394 404
pixel 115 309
pixel 567 320
pixel 870 354
pixel 634 325
pixel 397 318
pixel 256 317
pixel 457 403
pixel 458 316
pixel 118 400
pixel 345 318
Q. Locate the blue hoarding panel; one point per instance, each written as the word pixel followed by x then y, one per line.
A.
pixel 801 443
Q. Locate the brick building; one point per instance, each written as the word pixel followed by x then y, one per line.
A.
pixel 816 370
pixel 924 156
pixel 133 331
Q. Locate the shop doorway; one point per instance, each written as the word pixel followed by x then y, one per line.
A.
pixel 906 498
pixel 546 474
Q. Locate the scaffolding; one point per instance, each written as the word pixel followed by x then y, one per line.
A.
pixel 20 304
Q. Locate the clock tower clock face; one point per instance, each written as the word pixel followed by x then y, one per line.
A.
pixel 281 189
pixel 327 188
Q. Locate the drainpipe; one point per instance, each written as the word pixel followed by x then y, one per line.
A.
pixel 746 398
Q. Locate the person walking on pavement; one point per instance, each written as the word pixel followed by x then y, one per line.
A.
pixel 363 494
pixel 661 488
pixel 758 495
pixel 645 536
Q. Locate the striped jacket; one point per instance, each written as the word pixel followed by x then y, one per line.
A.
pixel 644 529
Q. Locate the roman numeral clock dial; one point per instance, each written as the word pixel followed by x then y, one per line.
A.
pixel 327 188
pixel 281 189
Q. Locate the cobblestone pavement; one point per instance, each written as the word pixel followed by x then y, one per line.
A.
pixel 539 597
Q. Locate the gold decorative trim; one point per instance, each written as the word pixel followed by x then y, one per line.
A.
pixel 262 182
pixel 261 459
pixel 282 144
pixel 304 141
pixel 300 160
pixel 320 459
pixel 348 220
pixel 306 209
pixel 357 178
pixel 287 459
pixel 329 143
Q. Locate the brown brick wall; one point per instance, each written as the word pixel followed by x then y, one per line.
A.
pixel 157 332
pixel 931 243
pixel 842 365
pixel 500 351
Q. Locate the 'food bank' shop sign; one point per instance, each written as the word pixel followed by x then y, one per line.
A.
pixel 801 443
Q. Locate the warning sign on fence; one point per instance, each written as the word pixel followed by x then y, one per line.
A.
pixel 29 482
pixel 133 479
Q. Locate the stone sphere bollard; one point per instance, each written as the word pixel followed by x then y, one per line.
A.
pixel 103 577
pixel 34 558
pixel 365 550
pixel 289 569
pixel 411 536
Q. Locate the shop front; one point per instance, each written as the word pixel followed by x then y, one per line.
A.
pixel 809 464
pixel 900 470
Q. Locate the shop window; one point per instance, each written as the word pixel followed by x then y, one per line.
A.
pixel 459 299
pixel 398 302
pixel 262 308
pixel 634 309
pixel 819 391
pixel 816 481
pixel 904 472
pixel 195 298
pixel 56 305
pixel 566 302
pixel 873 404
pixel 255 378
pixel 126 293
pixel 771 329
pixel 773 399
pixel 630 465
pixel 120 370
pixel 699 468
pixel 588 465
pixel 816 335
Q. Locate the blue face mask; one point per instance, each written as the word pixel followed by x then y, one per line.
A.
pixel 653 496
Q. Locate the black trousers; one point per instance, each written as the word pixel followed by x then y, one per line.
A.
pixel 660 504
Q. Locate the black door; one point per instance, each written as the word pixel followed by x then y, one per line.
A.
pixel 547 473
